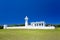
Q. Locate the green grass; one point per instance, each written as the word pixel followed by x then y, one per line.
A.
pixel 18 34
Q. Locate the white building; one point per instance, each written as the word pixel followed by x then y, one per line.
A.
pixel 33 25
pixel 38 24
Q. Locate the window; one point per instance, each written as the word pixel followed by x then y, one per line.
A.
pixel 42 24
pixel 35 24
pixel 39 24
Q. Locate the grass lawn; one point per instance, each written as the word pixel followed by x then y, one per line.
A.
pixel 18 34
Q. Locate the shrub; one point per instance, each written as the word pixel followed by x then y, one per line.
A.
pixel 1 27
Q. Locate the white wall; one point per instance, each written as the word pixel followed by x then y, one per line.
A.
pixel 30 27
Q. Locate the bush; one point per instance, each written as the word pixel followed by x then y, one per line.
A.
pixel 1 27
pixel 57 25
pixel 16 25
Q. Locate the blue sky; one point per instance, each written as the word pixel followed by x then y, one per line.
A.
pixel 14 11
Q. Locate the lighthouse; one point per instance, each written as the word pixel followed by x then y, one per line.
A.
pixel 26 21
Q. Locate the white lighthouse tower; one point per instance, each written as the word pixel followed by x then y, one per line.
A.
pixel 26 21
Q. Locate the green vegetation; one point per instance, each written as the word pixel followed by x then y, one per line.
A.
pixel 18 34
pixel 16 25
pixel 58 25
pixel 1 27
